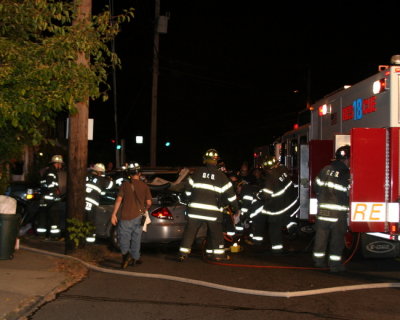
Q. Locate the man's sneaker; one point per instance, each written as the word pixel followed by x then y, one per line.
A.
pixel 338 268
pixel 182 257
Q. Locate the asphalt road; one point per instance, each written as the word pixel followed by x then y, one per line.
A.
pixel 254 285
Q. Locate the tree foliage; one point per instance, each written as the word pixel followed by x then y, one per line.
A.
pixel 39 72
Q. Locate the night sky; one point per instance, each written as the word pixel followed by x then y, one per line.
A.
pixel 234 75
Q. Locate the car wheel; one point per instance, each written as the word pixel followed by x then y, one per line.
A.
pixel 114 238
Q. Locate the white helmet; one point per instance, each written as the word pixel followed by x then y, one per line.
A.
pixel 57 159
pixel 99 167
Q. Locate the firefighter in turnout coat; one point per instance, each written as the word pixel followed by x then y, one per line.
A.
pixel 209 191
pixel 332 188
pixel 279 199
pixel 49 224
pixel 96 183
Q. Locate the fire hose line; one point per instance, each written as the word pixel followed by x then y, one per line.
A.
pixel 265 293
pixel 227 238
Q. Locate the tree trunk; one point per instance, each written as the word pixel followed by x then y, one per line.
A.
pixel 78 135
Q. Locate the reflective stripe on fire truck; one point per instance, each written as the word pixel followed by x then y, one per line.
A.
pixel 375 211
pixel 384 236
pixel 313 206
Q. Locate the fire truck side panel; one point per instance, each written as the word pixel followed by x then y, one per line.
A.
pixel 368 186
pixel 394 168
pixel 358 107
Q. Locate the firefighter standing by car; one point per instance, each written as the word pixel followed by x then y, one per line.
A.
pixel 332 188
pixel 209 190
pixel 279 199
pixel 49 223
pixel 95 185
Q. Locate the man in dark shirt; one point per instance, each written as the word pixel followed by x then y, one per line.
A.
pixel 136 198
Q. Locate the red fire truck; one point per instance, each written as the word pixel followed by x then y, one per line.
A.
pixel 366 116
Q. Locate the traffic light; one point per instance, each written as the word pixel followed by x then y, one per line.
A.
pixel 119 147
pixel 167 144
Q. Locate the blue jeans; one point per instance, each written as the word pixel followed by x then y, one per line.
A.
pixel 129 236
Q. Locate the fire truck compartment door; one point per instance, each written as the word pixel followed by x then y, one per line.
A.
pixel 369 180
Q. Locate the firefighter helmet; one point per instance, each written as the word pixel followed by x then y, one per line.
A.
pixel 133 167
pixel 57 159
pixel 343 153
pixel 211 155
pixel 99 167
pixel 269 162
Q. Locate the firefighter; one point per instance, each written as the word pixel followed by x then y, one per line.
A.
pixel 49 224
pixel 96 183
pixel 279 199
pixel 209 190
pixel 247 201
pixel 332 188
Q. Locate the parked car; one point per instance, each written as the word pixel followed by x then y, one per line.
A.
pixel 167 213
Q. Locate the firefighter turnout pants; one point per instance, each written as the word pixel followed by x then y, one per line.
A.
pixel 215 238
pixel 329 234
pixel 273 224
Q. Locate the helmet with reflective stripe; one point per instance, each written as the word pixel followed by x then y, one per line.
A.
pixel 57 159
pixel 343 153
pixel 133 167
pixel 211 156
pixel 269 162
pixel 99 167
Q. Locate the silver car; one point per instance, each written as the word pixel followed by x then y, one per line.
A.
pixel 167 213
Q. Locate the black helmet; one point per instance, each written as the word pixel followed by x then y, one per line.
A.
pixel 343 153
pixel 211 155
pixel 269 162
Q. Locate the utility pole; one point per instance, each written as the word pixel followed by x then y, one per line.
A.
pixel 78 135
pixel 114 86
pixel 153 139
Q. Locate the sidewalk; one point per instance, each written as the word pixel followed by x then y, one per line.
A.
pixel 31 279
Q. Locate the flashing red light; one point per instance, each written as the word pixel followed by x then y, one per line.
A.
pixel 255 155
pixel 162 213
pixel 295 126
